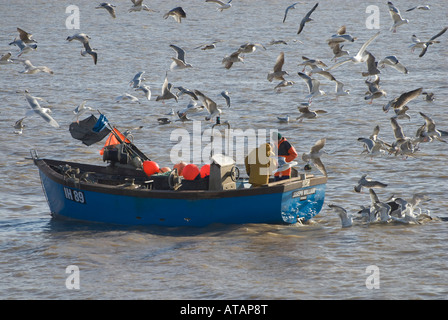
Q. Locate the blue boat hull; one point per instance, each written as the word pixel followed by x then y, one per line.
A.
pixel 274 205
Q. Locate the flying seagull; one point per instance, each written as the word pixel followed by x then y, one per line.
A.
pixel 306 18
pixel 403 99
pixel 396 17
pixel 166 91
pixel 30 69
pixel 209 104
pixel 177 13
pixel 25 36
pixel 313 86
pixel 139 6
pixel 278 73
pixel 81 109
pixel 179 61
pixel 228 61
pixel 223 5
pixel 315 154
pixel 425 44
pixel 109 7
pixel 293 6
pixel 43 112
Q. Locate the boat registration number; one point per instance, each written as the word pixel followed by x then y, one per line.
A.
pixel 74 195
pixel 303 193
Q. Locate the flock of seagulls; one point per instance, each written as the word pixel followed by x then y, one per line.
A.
pixel 313 72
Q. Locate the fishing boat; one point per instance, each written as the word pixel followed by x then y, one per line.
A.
pixel 121 193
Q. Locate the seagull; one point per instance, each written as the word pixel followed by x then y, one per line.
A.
pixel 278 73
pixel 403 99
pixel 166 91
pixel 137 80
pixel 5 59
pixel 182 117
pixel 186 91
pixel 25 36
pixel 313 86
pixel 374 90
pixel 337 51
pixel 163 120
pixel 346 220
pixel 340 89
pixel 368 183
pixel 138 6
pixel 429 96
pixel 24 47
pixel 177 13
pixel 306 18
pixel 250 47
pixel 209 104
pixel 393 62
pixel 313 63
pixel 315 154
pixel 82 37
pixel 425 44
pixel 283 84
pixel 290 7
pixel 30 69
pixel 192 107
pixel 396 17
pixel 109 7
pixel 179 61
pixel 228 61
pixel 402 144
pixel 372 65
pixel 283 119
pixel 19 126
pixel 223 5
pixel 226 96
pixel 360 56
pixel 81 109
pixel 90 51
pixel 306 113
pixel 146 90
pixel 372 147
pixel 420 7
pixel 378 208
pixel 400 113
pixel 431 131
pixel 127 96
pixel 43 112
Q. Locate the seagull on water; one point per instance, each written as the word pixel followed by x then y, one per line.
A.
pixel 278 73
pixel 360 56
pixel 30 69
pixel 425 44
pixel 177 13
pixel 368 183
pixel 396 17
pixel 313 86
pixel 314 155
pixel 179 61
pixel 81 109
pixel 306 18
pixel 109 7
pixel 222 5
pixel 43 112
pixel 346 219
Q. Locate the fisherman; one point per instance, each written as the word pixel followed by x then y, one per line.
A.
pixel 287 151
pixel 258 163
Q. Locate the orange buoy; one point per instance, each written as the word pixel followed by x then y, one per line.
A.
pixel 165 169
pixel 205 170
pixel 180 167
pixel 190 172
pixel 150 167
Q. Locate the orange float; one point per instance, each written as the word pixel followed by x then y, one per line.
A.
pixel 180 167
pixel 150 167
pixel 190 172
pixel 205 170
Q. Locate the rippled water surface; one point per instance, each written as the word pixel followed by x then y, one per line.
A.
pixel 319 260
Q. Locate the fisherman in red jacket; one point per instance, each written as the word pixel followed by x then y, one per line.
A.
pixel 286 150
